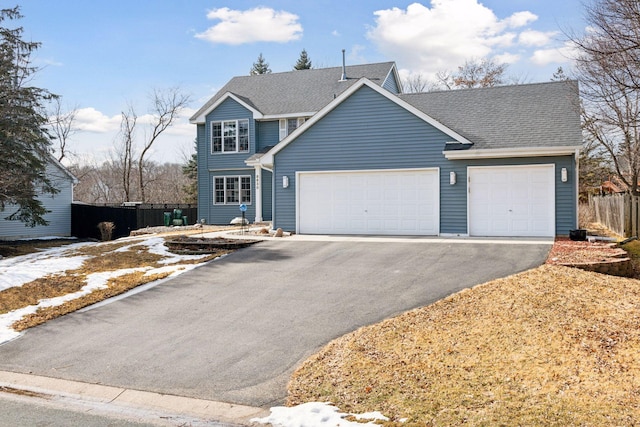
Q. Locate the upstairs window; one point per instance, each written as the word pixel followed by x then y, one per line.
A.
pixel 230 136
pixel 287 126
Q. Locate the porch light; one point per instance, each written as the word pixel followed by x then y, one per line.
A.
pixel 563 174
pixel 452 178
pixel 285 182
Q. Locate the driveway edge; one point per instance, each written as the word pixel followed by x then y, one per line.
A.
pixel 121 401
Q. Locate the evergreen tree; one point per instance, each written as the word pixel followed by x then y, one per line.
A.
pixel 190 170
pixel 260 66
pixel 24 139
pixel 304 63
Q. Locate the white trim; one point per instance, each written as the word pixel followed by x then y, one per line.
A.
pixel 351 171
pixel 257 185
pixel 267 159
pixel 497 153
pixel 201 118
pixel 287 115
pixel 541 165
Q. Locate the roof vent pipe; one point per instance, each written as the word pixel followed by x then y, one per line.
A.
pixel 344 68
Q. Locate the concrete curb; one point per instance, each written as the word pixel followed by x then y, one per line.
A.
pixel 121 400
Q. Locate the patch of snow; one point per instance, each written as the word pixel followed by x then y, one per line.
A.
pixel 16 271
pixel 94 281
pixel 316 414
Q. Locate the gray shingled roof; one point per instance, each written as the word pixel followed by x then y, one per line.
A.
pixel 530 115
pixel 272 94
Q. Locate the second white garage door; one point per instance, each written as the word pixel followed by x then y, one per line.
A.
pixel 512 201
pixel 398 202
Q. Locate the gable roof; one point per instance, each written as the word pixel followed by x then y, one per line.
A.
pixel 272 94
pixel 537 115
pixel 267 158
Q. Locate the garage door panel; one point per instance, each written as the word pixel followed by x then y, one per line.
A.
pixel 512 201
pixel 371 202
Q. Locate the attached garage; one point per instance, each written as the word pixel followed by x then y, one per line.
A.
pixel 512 200
pixel 372 202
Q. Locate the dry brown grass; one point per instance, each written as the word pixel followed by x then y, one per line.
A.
pixel 101 257
pixel 550 346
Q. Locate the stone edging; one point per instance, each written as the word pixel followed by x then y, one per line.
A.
pixel 618 265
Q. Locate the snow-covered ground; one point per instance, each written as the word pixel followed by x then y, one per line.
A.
pixel 16 271
pixel 316 414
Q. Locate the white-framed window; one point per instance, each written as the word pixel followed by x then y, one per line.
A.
pixel 287 126
pixel 230 136
pixel 231 190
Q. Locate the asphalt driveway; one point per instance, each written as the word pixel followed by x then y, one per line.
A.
pixel 235 329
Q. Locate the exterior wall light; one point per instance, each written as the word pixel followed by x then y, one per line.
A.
pixel 563 175
pixel 285 182
pixel 452 178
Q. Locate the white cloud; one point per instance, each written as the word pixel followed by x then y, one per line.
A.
pixel 335 33
pixel 520 19
pixel 536 38
pixel 557 55
pixel 260 24
pixel 446 34
pixel 507 58
pixel 91 120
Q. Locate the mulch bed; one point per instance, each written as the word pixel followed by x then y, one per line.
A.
pixel 566 251
pixel 204 245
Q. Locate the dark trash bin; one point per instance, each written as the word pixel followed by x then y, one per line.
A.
pixel 578 235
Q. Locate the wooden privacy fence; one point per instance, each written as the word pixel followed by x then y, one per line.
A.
pixel 85 218
pixel 619 212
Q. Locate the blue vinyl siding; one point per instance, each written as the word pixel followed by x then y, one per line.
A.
pixel 229 110
pixel 204 183
pixel 391 84
pixel 368 131
pixel 267 195
pixel 268 134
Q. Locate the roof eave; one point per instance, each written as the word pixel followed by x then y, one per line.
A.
pixel 501 153
pixel 200 117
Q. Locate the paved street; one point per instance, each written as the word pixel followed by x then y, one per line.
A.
pixel 235 329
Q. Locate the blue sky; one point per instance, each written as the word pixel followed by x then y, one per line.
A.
pixel 102 55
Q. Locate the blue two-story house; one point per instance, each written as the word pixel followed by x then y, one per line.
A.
pixel 343 151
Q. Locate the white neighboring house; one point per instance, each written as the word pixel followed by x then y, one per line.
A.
pixel 59 205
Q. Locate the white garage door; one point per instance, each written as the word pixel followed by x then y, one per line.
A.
pixel 512 201
pixel 400 202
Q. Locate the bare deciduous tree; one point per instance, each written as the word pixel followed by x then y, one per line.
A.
pixel 62 125
pixel 125 153
pixel 609 83
pixel 165 109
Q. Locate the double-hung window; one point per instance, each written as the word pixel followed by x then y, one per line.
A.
pixel 287 126
pixel 230 136
pixel 231 190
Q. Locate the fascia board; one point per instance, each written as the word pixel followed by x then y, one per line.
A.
pixel 497 153
pixel 288 115
pixel 200 119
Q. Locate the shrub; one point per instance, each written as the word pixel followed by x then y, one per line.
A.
pixel 106 230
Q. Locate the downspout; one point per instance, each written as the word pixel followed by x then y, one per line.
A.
pixel 577 177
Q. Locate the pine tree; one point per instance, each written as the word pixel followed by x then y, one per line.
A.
pixel 304 63
pixel 23 136
pixel 190 171
pixel 260 66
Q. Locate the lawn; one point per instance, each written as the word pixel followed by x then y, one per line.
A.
pixel 551 346
pixel 42 280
